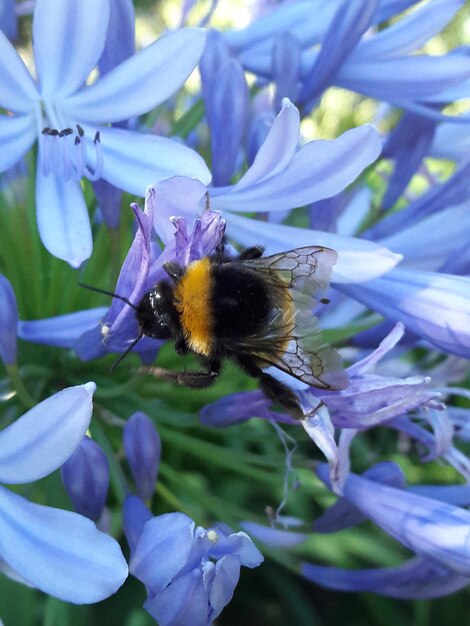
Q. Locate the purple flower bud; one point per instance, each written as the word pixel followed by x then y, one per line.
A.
pixel 86 478
pixel 8 322
pixel 286 65
pixel 143 447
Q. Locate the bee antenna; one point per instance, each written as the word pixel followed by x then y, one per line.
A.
pixel 124 354
pixel 109 293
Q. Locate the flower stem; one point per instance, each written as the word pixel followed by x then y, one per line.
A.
pixel 17 382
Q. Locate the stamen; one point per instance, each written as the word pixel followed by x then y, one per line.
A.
pixel 98 171
pixel 80 130
pixel 212 536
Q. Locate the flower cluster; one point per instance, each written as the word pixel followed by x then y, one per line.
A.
pixel 241 155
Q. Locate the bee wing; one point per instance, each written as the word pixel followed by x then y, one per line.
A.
pixel 293 341
pixel 305 269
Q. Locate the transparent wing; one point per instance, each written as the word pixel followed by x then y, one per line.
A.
pixel 293 341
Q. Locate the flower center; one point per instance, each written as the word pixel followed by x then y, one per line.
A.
pixel 212 536
pixel 64 154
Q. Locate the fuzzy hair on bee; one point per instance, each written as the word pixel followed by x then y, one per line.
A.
pixel 252 309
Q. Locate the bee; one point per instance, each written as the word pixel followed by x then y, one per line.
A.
pixel 255 310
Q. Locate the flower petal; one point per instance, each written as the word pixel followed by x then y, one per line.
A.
pixel 434 306
pixel 45 437
pixel 132 161
pixel 358 259
pixel 17 134
pixel 277 150
pixel 227 117
pixel 120 35
pixel 184 601
pixel 224 581
pixel 410 33
pixel 416 579
pixel 18 92
pixel 320 169
pixel 166 540
pixel 350 22
pixel 135 516
pixel 431 528
pixel 68 38
pixel 142 82
pixel 63 222
pixel 59 552
pixel 409 77
pixel 62 331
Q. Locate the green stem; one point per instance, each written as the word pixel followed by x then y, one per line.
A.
pixel 17 382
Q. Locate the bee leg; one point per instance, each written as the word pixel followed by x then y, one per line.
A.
pixel 196 380
pixel 251 253
pixel 281 394
pixel 273 389
pixel 173 270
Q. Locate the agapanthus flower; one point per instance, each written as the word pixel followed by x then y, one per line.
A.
pixel 59 552
pixel 69 119
pixel 429 521
pixel 190 572
pixel 340 44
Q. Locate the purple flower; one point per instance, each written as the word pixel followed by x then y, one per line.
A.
pixel 76 141
pixel 59 552
pixel 8 322
pixel 143 448
pixel 143 268
pixel 190 572
pixel 86 479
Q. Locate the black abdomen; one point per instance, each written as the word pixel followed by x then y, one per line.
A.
pixel 240 302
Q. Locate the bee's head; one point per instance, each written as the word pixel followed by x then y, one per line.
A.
pixel 155 312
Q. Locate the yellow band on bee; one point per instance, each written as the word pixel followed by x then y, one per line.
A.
pixel 193 302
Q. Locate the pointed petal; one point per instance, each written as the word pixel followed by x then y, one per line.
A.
pixel 68 38
pixel 358 259
pixel 415 579
pixel 59 552
pixel 17 134
pixel 226 576
pixel 18 91
pixel 320 169
pixel 142 82
pixel 62 331
pixel 63 222
pixel 321 431
pixel 409 77
pixel 133 161
pixel 44 438
pixel 278 149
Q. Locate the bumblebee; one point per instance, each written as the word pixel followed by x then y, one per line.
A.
pixel 252 309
